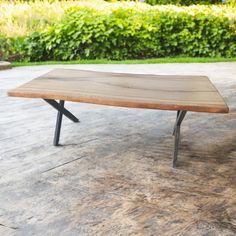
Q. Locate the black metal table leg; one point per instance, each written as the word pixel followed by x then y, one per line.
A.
pixel 58 125
pixel 64 111
pixel 61 111
pixel 179 119
pixel 177 115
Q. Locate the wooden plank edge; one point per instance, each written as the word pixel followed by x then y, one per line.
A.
pixel 109 102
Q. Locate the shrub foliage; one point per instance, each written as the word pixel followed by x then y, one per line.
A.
pixel 183 2
pixel 125 31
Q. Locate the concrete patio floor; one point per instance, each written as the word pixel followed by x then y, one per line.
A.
pixel 113 174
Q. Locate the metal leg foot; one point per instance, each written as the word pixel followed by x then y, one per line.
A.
pixel 179 119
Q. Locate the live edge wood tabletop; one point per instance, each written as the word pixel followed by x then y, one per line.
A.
pixel 166 92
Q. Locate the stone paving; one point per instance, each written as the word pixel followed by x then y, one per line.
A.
pixel 113 174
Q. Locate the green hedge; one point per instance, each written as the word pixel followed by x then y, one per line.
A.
pixel 183 2
pixel 231 2
pixel 130 32
pixel 178 2
pixel 12 49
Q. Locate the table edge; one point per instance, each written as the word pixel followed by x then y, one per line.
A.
pixel 128 104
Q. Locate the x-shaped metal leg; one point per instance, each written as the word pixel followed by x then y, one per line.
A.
pixel 176 133
pixel 61 111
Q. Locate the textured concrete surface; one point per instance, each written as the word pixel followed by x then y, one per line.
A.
pixel 113 174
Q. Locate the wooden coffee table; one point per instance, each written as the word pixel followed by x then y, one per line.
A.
pixel 165 92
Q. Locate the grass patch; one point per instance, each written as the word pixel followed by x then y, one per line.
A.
pixel 144 61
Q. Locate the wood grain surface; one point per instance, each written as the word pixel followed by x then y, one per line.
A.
pixel 166 92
